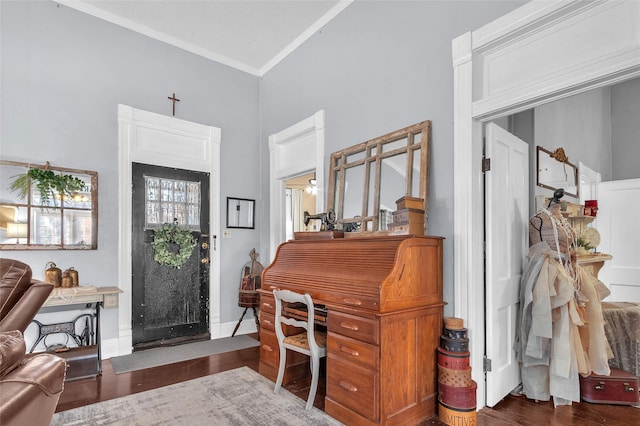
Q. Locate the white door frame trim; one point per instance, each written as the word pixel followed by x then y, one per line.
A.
pixel 149 138
pixel 293 151
pixel 540 52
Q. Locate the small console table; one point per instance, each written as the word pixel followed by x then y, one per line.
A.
pixel 85 359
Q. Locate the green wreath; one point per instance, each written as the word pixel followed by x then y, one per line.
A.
pixel 172 234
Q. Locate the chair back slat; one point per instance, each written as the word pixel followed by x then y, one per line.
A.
pixel 305 342
pixel 282 317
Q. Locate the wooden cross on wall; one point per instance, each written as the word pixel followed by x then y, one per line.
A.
pixel 174 100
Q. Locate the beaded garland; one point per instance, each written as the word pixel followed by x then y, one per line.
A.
pixel 559 222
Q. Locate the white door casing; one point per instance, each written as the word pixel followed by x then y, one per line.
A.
pixel 507 209
pixel 160 140
pixel 618 207
pixel 293 151
pixel 538 53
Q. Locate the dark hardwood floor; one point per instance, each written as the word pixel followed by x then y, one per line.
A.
pixel 512 410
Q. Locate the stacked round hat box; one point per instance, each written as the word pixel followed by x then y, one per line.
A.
pixel 456 389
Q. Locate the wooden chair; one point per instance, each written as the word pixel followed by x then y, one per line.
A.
pixel 312 342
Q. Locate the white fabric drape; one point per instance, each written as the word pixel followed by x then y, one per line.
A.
pixel 560 332
pixel 297 210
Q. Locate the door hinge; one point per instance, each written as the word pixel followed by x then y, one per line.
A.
pixel 486 364
pixel 486 164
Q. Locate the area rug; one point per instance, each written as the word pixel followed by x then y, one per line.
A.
pixel 235 397
pixel 170 354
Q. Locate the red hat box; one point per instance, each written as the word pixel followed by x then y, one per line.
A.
pixel 458 397
pixel 453 360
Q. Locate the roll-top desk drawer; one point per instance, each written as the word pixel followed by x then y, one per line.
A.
pixel 353 326
pixel 269 351
pixel 267 321
pixel 354 387
pixel 267 304
pixel 360 353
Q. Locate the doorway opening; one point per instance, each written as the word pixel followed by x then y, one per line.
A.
pixel 301 198
pixel 187 146
pixel 294 151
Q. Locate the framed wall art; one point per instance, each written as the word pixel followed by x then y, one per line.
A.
pixel 240 213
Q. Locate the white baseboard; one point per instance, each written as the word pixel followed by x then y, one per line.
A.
pixel 110 347
pixel 248 325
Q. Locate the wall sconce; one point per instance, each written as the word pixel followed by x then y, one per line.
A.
pixel 312 188
pixel 16 230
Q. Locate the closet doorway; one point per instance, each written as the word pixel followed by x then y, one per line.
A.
pixel 526 58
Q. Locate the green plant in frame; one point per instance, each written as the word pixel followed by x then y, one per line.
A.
pixel 48 183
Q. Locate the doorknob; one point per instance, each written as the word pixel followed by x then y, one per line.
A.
pixel 205 246
pixel 204 260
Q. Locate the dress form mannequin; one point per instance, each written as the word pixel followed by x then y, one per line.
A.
pixel 550 226
pixel 560 332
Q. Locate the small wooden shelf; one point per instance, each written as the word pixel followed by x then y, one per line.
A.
pixel 594 262
pixel 580 220
pixel 593 258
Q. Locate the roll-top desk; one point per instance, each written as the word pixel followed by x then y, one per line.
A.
pixel 383 302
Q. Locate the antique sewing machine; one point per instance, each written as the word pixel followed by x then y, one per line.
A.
pixel 328 219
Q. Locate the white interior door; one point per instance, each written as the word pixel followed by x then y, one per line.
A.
pixel 618 207
pixel 506 212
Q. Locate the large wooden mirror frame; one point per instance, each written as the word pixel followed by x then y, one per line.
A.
pixel 367 179
pixel 59 222
pixel 554 171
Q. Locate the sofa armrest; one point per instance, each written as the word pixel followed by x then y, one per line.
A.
pixel 31 392
pixel 12 351
pixel 23 312
pixel 45 371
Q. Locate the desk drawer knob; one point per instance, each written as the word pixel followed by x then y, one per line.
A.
pixel 348 386
pixel 267 348
pixel 349 326
pixel 267 305
pixel 349 351
pixel 354 302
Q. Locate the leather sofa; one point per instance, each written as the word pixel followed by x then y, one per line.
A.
pixel 30 384
pixel 21 296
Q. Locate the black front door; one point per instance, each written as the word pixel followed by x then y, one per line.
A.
pixel 170 304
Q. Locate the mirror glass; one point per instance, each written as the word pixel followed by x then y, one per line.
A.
pixel 33 217
pixel 554 171
pixel 392 176
pixel 366 180
pixel 353 191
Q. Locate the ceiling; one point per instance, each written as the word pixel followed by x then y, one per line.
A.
pixel 250 35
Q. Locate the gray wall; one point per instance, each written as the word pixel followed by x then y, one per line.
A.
pixel 625 130
pixel 63 75
pixel 581 124
pixel 378 67
pixel 600 128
